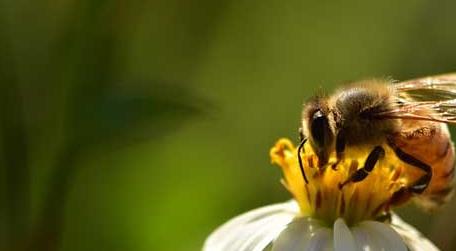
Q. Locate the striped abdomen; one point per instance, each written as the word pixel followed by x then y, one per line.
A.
pixel 430 142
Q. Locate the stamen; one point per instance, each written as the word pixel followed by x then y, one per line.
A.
pixel 342 205
pixel 318 200
pixel 318 193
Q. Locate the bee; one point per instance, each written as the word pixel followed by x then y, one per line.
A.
pixel 410 118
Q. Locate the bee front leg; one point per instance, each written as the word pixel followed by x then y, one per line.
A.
pixel 301 167
pixel 422 183
pixel 360 174
pixel 300 149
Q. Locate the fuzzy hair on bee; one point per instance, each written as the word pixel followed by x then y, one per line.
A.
pixel 407 119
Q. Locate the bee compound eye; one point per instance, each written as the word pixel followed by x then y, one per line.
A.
pixel 319 128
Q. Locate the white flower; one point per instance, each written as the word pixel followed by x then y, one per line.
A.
pixel 328 213
pixel 280 228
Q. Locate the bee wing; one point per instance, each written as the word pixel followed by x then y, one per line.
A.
pixel 435 88
pixel 431 98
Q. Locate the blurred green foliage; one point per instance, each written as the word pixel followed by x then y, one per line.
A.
pixel 142 125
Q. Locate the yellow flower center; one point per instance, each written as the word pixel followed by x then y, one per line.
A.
pixel 322 196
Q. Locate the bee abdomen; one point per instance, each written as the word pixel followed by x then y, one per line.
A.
pixel 431 143
pixel 441 188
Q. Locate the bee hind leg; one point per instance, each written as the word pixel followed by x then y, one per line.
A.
pixel 419 186
pixel 405 193
pixel 422 183
pixel 399 197
pixel 360 174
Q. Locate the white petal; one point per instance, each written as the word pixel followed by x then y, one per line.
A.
pixel 253 230
pixel 414 240
pixel 365 240
pixel 303 234
pixel 343 238
pixel 322 240
pixel 381 237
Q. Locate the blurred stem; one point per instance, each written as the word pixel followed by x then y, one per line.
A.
pixel 15 161
pixel 14 144
pixel 50 226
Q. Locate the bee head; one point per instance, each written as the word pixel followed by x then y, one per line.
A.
pixel 316 124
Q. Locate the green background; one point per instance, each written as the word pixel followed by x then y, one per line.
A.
pixel 143 125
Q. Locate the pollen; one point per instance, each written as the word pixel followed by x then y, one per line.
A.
pixel 324 197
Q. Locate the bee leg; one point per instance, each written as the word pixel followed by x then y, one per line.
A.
pixel 300 148
pixel 340 148
pixel 422 183
pixel 369 165
pixel 399 197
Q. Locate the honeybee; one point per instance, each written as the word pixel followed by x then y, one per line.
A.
pixel 410 118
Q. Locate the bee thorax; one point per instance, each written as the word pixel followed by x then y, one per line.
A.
pixel 353 114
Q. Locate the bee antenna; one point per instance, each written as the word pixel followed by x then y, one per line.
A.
pixel 301 145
